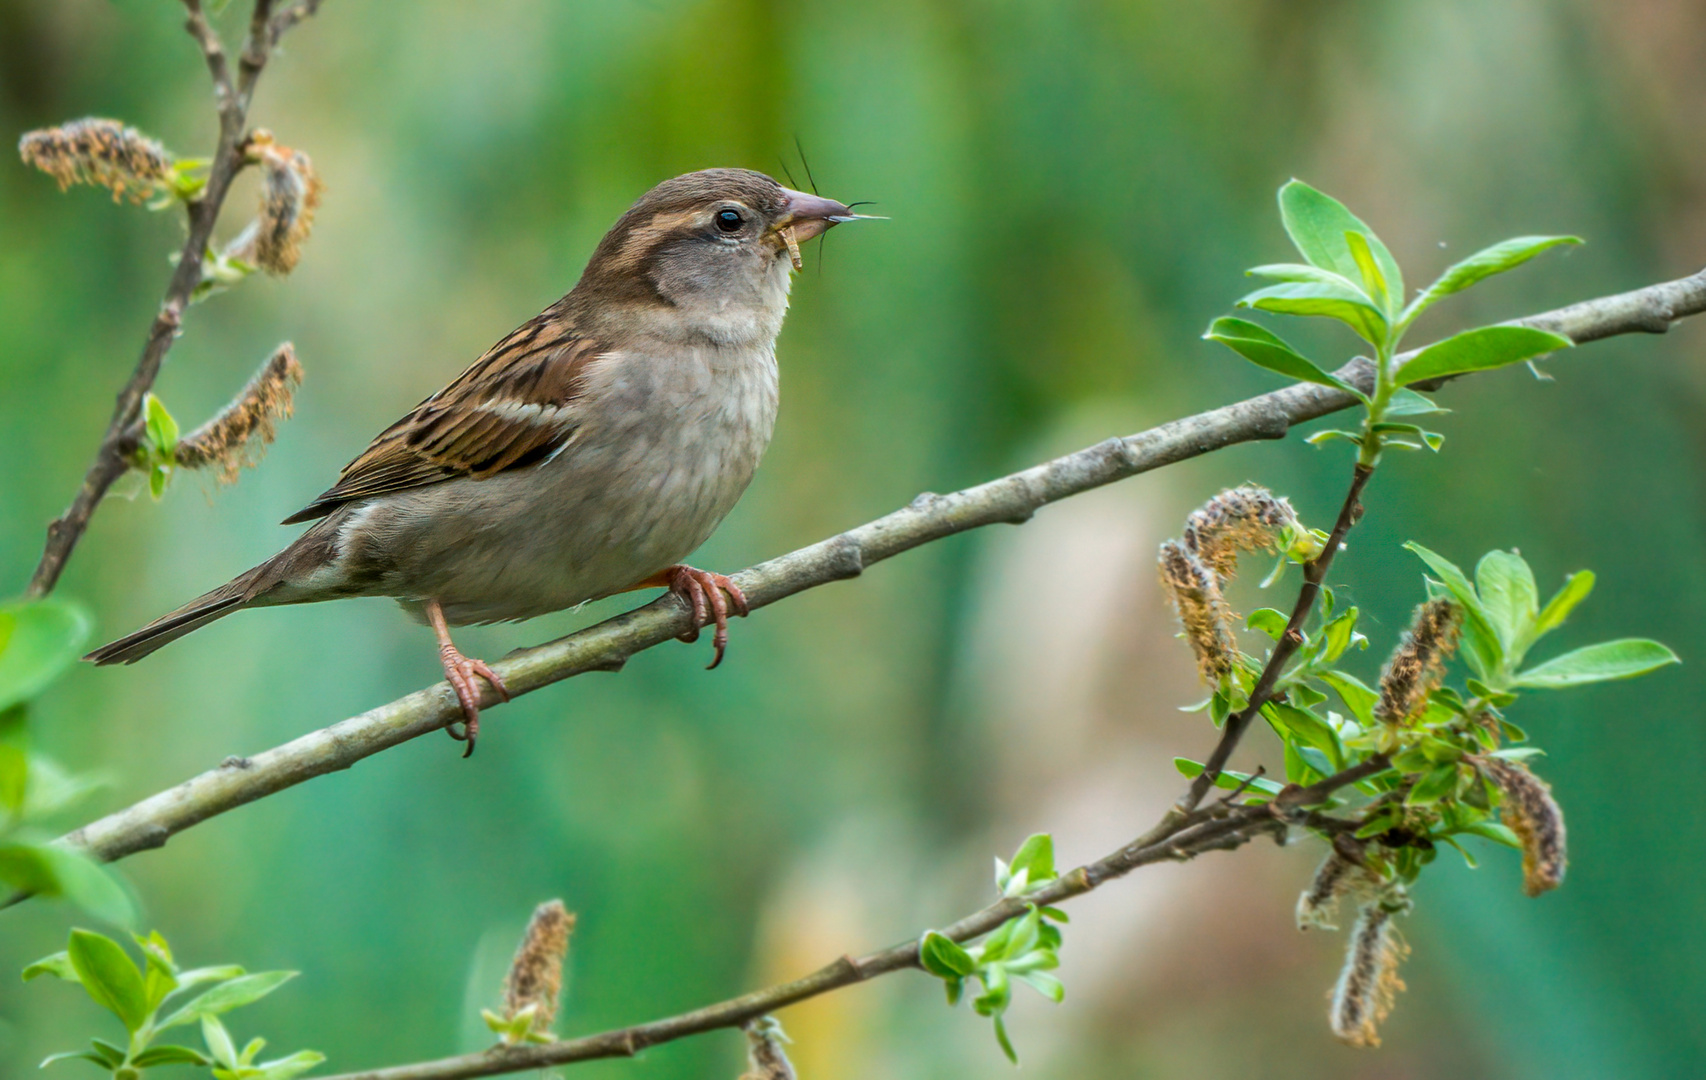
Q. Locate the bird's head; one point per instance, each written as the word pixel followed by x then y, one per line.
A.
pixel 710 250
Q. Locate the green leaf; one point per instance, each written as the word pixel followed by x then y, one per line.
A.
pixel 229 995
pixel 1268 621
pixel 50 870
pixel 1502 256
pixel 1433 787
pixel 1266 349
pixel 1505 585
pixel 291 1067
pixel 1433 440
pixel 1373 281
pixel 943 957
pixel 1480 350
pixel 1492 830
pixel 1311 729
pixel 111 978
pixel 37 641
pixel 1046 985
pixel 74 1055
pixel 14 761
pixel 1347 305
pixel 1330 434
pixel 218 1041
pixel 1576 589
pixel 1623 659
pixel 1317 224
pixel 170 1055
pixel 1356 695
pixel 1036 858
pixel 1338 634
pixel 1301 272
pixel 1406 402
pixel 160 428
pixel 1006 1043
pixel 57 965
pixel 1228 779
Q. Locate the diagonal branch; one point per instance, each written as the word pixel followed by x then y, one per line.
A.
pixel 1013 499
pixel 1223 827
pixel 112 456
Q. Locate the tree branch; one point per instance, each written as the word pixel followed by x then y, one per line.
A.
pixel 1222 827
pixel 112 457
pixel 606 646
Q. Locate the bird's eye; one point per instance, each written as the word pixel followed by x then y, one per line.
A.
pixel 729 220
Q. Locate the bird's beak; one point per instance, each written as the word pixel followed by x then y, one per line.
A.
pixel 812 215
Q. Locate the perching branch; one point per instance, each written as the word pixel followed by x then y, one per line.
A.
pixel 1223 826
pixel 606 646
pixel 113 456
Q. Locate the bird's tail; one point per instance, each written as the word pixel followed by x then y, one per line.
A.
pixel 232 596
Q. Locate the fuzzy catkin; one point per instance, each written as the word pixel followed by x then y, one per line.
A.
pixel 239 433
pixel 1368 985
pixel 536 974
pixel 1418 664
pixel 1195 590
pixel 101 152
pixel 1245 518
pixel 1335 878
pixel 290 193
pixel 1533 814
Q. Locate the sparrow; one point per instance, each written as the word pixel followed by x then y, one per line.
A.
pixel 585 454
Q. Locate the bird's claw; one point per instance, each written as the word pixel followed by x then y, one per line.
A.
pixel 710 597
pixel 460 671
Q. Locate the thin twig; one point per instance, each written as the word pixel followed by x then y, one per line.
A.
pixel 1289 642
pixel 1235 827
pixel 112 457
pixel 606 646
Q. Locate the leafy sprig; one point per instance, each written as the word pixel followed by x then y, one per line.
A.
pixel 1024 948
pixel 137 995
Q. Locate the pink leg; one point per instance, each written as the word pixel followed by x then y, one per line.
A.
pixel 460 672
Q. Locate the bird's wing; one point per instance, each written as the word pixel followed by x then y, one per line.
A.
pixel 512 408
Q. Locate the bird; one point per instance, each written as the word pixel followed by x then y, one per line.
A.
pixel 587 453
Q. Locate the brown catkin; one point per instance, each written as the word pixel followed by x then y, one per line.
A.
pixel 1369 983
pixel 290 193
pixel 765 1058
pixel 1533 814
pixel 1202 610
pixel 1418 664
pixel 1334 879
pixel 536 974
pixel 239 433
pixel 97 151
pixel 1246 518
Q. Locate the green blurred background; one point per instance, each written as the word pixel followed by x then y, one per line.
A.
pixel 1075 189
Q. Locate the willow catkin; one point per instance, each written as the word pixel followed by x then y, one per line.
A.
pixel 535 977
pixel 765 1058
pixel 1335 878
pixel 1368 984
pixel 238 434
pixel 1245 518
pixel 101 152
pixel 290 193
pixel 1418 664
pixel 1530 811
pixel 1196 595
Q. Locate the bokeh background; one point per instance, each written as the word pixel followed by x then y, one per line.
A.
pixel 1075 188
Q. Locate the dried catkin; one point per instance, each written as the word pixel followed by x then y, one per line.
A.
pixel 1202 610
pixel 102 152
pixel 238 434
pixel 765 1058
pixel 1530 811
pixel 1246 518
pixel 1418 664
pixel 535 976
pixel 290 193
pixel 1369 983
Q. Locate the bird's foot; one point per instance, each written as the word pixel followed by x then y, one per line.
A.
pixel 460 671
pixel 703 592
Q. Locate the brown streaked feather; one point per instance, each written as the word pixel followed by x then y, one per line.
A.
pixel 496 415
